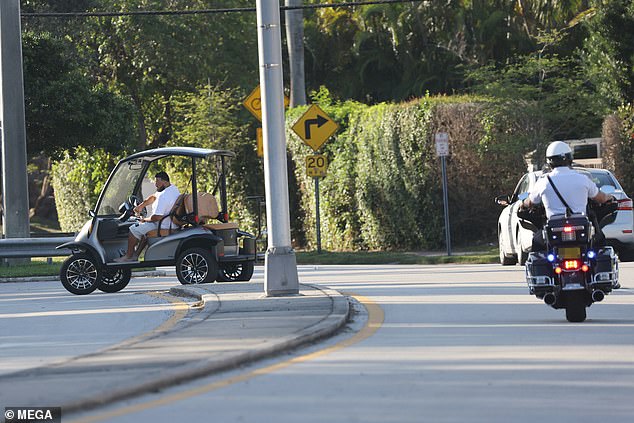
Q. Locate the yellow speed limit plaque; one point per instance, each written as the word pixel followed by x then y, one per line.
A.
pixel 316 165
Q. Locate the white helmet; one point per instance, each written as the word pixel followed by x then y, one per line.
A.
pixel 558 153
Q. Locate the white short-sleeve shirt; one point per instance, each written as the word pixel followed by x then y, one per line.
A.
pixel 573 186
pixel 164 202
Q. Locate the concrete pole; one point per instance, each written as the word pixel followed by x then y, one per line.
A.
pixel 15 180
pixel 280 271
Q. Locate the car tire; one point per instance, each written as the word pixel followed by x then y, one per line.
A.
pixel 505 260
pixel 195 266
pixel 80 274
pixel 114 280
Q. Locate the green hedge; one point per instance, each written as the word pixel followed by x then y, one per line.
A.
pixel 618 146
pixel 77 180
pixel 383 189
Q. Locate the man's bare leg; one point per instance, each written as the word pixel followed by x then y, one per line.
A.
pixel 132 241
pixel 140 247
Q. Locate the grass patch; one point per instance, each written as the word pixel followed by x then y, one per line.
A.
pixel 37 267
pixel 488 255
pixel 40 267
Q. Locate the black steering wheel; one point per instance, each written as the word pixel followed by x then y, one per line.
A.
pixel 127 208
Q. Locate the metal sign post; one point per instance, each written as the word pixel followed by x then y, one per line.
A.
pixel 316 166
pixel 317 220
pixel 442 150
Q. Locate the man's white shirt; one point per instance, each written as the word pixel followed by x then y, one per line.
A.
pixel 574 187
pixel 164 202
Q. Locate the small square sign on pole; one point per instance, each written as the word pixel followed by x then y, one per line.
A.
pixel 442 144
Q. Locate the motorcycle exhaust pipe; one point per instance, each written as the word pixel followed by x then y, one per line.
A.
pixel 550 298
pixel 598 295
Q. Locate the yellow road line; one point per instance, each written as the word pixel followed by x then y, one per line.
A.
pixel 375 320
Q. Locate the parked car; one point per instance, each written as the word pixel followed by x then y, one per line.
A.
pixel 515 241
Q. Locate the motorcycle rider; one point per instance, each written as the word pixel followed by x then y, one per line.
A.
pixel 574 187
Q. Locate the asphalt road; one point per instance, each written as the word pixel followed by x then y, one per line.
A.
pixel 456 343
pixel 42 324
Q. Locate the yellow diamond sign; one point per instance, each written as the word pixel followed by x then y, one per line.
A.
pixel 253 103
pixel 315 127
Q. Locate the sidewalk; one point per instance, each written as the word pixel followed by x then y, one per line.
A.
pixel 232 324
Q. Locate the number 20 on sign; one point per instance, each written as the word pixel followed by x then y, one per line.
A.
pixel 316 165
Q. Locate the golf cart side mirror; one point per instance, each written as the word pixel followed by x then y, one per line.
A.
pixel 502 200
pixel 608 189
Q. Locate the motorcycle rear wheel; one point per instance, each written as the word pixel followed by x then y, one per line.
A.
pixel 575 308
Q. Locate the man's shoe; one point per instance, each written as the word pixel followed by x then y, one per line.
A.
pixel 124 259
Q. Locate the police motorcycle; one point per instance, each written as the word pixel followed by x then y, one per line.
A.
pixel 575 270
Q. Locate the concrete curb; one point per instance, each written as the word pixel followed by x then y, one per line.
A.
pixel 330 324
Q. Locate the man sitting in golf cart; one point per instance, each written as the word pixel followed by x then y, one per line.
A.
pixel 162 202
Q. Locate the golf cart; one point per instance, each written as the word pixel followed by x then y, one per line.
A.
pixel 201 243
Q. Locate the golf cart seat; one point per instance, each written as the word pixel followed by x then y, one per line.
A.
pixel 208 210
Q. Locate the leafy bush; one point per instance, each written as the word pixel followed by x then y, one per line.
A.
pixel 383 189
pixel 618 146
pixel 77 180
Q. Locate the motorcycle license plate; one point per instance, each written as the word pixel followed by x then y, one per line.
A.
pixel 570 253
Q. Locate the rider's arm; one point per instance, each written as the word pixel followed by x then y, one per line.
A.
pixel 602 197
pixel 527 203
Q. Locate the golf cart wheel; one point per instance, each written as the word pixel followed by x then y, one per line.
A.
pixel 80 274
pixel 232 272
pixel 114 280
pixel 196 265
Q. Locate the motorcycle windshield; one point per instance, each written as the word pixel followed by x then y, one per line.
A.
pixel 119 187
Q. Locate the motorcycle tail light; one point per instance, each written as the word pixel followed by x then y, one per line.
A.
pixel 625 204
pixel 571 264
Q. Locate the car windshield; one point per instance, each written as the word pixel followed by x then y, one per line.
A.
pixel 119 187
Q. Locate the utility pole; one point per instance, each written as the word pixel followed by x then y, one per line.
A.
pixel 295 42
pixel 15 179
pixel 280 272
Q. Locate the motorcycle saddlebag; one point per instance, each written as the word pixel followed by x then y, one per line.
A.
pixel 538 266
pixel 604 263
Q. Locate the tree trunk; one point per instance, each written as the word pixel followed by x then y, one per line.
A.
pixel 295 44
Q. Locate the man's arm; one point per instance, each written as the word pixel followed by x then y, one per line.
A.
pixel 153 218
pixel 602 197
pixel 148 201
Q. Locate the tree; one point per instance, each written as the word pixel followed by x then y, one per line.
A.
pixel 63 108
pixel 149 58
pixel 608 52
pixel 547 96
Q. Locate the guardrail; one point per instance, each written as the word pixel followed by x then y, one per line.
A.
pixel 33 247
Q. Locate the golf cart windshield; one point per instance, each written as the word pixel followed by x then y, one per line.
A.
pixel 120 186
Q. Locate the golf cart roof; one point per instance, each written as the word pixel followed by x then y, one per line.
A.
pixel 178 151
